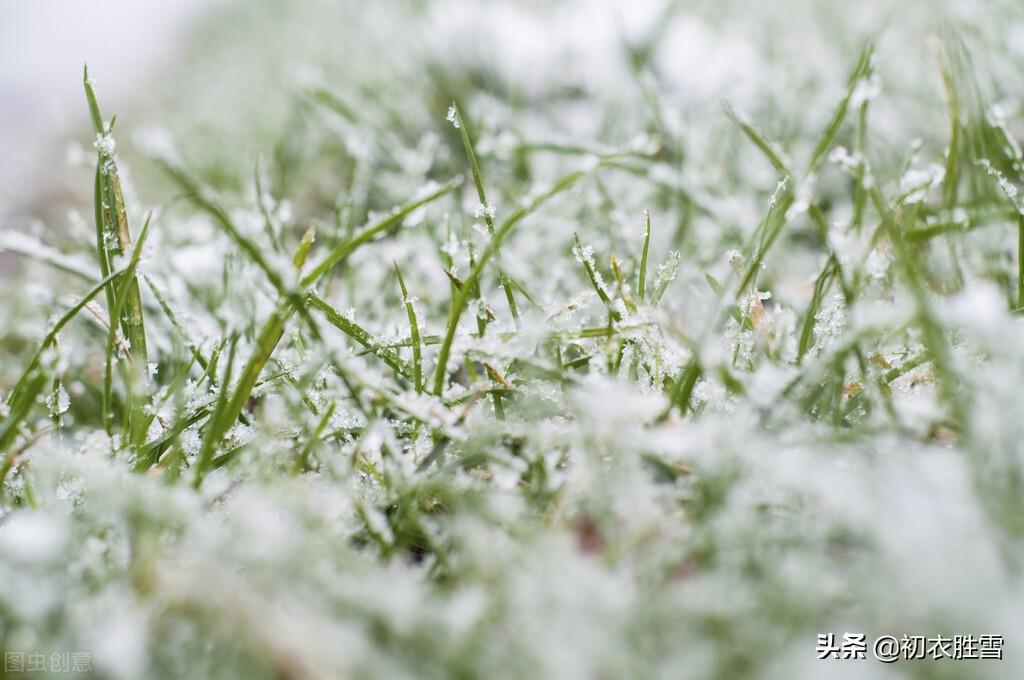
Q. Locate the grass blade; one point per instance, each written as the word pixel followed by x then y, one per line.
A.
pixel 345 249
pixel 32 381
pixel 414 333
pixel 770 150
pixel 587 260
pixel 219 418
pixel 860 71
pixel 112 231
pixel 641 286
pixel 122 296
pixel 820 286
pixel 485 210
pixel 462 296
pixel 360 335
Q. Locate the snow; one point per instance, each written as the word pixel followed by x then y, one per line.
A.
pixel 866 90
pixel 915 182
pixel 32 537
pixel 453 116
pixel 59 402
pixel 485 210
pixel 105 144
pixel 563 507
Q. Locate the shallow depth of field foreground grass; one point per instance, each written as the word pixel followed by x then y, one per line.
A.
pixel 535 340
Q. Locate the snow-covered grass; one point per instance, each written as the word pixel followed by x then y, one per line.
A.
pixel 584 339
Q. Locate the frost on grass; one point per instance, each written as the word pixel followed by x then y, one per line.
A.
pixel 453 117
pixel 778 413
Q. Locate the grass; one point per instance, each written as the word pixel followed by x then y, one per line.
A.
pixel 485 209
pixel 590 379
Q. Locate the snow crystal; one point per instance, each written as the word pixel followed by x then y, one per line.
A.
pixel 453 116
pixel 841 156
pixel 1007 187
pixel 451 247
pixel 190 441
pixel 666 272
pixel 240 434
pixel 865 90
pixel 804 197
pixel 829 322
pixel 585 255
pixel 485 210
pixel 915 182
pixel 777 194
pixel 58 402
pixel 105 144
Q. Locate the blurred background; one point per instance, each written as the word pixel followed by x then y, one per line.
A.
pixel 44 46
pixel 296 88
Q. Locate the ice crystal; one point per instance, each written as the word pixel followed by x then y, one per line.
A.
pixel 105 144
pixel 453 116
pixel 485 210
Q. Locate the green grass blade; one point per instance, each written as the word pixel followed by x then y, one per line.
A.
pixel 112 230
pixel 90 95
pixel 592 275
pixel 456 117
pixel 200 198
pixel 360 335
pixel 51 337
pixel 683 389
pixel 860 71
pixel 19 411
pixel 641 286
pixel 414 333
pixel 951 179
pixel 774 221
pixel 770 150
pixel 21 245
pixel 122 297
pixel 219 418
pixel 165 306
pixel 820 286
pixel 32 381
pixel 302 461
pixel 462 296
pixel 348 247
